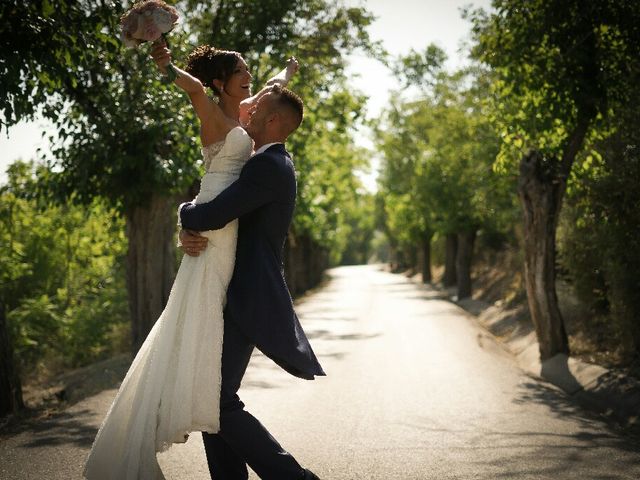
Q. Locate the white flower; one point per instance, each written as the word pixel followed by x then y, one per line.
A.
pixel 146 22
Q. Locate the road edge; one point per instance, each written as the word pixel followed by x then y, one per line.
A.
pixel 596 388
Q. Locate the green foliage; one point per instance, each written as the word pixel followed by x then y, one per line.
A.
pixel 115 117
pixel 360 225
pixel 563 77
pixel 318 32
pixel 125 135
pixel 599 242
pixel 326 161
pixel 42 55
pixel 438 152
pixel 420 69
pixel 61 279
pixel 557 66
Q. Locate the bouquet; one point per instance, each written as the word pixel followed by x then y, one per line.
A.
pixel 149 21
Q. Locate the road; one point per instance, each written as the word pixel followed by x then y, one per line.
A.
pixel 415 391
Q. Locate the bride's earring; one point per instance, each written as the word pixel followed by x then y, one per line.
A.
pixel 218 89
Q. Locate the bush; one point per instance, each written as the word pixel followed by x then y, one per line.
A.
pixel 600 244
pixel 62 283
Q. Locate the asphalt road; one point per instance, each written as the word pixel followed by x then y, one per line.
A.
pixel 415 391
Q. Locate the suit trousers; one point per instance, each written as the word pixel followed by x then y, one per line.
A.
pixel 242 439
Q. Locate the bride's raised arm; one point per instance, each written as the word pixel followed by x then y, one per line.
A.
pixel 286 74
pixel 227 74
pixel 282 78
pixel 214 123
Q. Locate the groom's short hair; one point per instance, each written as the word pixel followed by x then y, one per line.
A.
pixel 291 103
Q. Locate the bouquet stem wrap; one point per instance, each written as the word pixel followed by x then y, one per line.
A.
pixel 171 74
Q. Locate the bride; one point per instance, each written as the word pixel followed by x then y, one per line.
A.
pixel 173 385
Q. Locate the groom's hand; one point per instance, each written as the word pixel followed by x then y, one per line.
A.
pixel 191 242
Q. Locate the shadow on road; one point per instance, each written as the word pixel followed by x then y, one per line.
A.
pixel 562 406
pixel 329 335
pixel 508 454
pixel 62 429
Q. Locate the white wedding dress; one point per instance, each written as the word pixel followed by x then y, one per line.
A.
pixel 173 385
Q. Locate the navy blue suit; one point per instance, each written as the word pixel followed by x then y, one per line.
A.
pixel 259 310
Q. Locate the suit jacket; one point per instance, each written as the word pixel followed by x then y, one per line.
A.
pixel 258 299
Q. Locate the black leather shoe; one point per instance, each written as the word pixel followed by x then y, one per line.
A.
pixel 309 475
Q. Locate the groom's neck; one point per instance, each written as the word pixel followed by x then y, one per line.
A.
pixel 264 141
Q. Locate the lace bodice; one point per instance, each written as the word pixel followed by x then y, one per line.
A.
pixel 228 155
pixel 224 161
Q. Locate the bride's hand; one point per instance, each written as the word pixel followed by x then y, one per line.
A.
pixel 291 68
pixel 286 74
pixel 161 55
pixel 191 242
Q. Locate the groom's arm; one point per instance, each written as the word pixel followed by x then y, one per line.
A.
pixel 256 186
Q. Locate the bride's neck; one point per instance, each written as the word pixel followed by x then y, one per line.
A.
pixel 230 108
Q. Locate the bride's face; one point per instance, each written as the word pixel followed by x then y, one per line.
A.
pixel 239 83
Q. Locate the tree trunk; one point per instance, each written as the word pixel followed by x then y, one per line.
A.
pixel 451 251
pixel 150 263
pixel 307 256
pixel 463 263
pixel 305 262
pixel 426 258
pixel 319 264
pixel 10 387
pixel 291 263
pixel 413 253
pixel 540 188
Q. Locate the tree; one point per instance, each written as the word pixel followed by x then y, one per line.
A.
pixel 360 220
pixel 61 285
pixel 558 67
pixel 128 137
pixel 11 399
pixel 442 147
pixel 599 246
pixel 114 122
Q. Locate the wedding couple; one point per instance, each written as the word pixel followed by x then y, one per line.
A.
pixel 229 295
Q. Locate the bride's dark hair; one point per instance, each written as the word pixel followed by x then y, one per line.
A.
pixel 207 63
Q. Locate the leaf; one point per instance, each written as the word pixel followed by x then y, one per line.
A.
pixel 47 8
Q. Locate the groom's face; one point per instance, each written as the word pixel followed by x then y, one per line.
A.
pixel 260 115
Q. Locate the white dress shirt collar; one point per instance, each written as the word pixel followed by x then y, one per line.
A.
pixel 264 147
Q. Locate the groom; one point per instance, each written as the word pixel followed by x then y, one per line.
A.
pixel 259 311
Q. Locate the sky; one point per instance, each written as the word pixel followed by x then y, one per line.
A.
pixel 401 25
